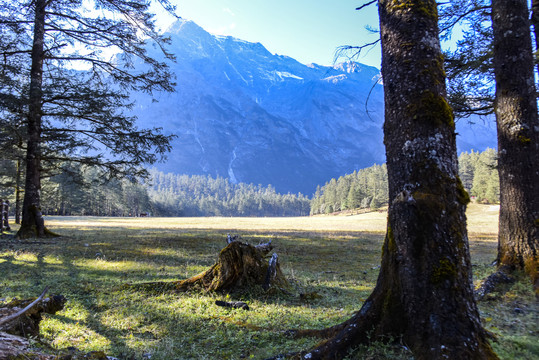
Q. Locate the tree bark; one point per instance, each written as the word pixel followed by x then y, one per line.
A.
pixel 518 138
pixel 32 224
pixel 535 23
pixel 424 293
pixel 18 193
pixel 240 267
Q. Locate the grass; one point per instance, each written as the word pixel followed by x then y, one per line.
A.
pixel 336 257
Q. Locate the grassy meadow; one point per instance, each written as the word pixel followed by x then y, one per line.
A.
pixel 333 259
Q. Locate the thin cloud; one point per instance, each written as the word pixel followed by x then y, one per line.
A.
pixel 228 11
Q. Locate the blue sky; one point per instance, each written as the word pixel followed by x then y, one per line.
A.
pixel 307 30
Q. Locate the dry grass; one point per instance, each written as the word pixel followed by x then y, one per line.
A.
pixel 336 257
pixel 482 219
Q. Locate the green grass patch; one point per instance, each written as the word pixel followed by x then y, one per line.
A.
pixel 88 265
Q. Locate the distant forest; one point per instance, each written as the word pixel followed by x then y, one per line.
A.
pixel 367 188
pixel 82 191
pixel 183 195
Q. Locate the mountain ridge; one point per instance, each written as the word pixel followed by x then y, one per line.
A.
pixel 255 117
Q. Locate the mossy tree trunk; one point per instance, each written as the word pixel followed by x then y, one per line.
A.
pixel 424 293
pixel 32 224
pixel 518 137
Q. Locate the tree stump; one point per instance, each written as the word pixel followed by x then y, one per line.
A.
pixel 241 267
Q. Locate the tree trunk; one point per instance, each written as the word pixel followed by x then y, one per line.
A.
pixel 32 224
pixel 535 23
pixel 518 138
pixel 424 293
pixel 18 193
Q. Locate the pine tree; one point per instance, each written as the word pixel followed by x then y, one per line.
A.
pixel 518 138
pixel 75 96
pixel 424 291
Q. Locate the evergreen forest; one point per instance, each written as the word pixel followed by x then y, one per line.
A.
pixel 367 188
pixel 82 191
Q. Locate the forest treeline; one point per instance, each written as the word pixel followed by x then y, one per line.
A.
pixel 183 195
pixel 82 191
pixel 367 188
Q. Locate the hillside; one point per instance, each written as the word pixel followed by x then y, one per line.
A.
pixel 243 113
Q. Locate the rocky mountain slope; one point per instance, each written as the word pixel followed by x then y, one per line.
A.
pixel 246 114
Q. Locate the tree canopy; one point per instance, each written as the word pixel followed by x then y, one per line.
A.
pixel 69 68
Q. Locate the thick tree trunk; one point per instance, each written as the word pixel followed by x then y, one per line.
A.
pixel 518 138
pixel 424 292
pixel 32 224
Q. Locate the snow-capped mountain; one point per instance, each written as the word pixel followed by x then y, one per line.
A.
pixel 246 114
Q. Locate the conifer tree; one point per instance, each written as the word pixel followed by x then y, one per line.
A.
pixel 518 138
pixel 503 54
pixel 77 95
pixel 424 292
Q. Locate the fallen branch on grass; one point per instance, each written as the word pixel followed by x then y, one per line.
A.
pixel 20 319
pixel 233 304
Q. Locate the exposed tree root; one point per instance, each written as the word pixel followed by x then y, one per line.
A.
pixel 33 226
pixel 375 321
pixel 241 267
pixel 20 320
pixel 493 282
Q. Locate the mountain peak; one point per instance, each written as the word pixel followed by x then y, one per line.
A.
pixel 187 27
pixel 240 111
pixel 350 67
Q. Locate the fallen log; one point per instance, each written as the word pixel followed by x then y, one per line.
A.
pixel 240 267
pixel 22 317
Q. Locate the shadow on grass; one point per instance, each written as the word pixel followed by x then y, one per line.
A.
pixel 88 267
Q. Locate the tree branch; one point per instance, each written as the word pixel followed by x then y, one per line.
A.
pixel 21 312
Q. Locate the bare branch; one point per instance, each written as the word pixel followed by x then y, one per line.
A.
pixel 343 51
pixel 19 313
pixel 366 4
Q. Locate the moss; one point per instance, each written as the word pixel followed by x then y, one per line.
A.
pixel 422 7
pixel 524 139
pixel 531 267
pixel 432 108
pixel 390 241
pixel 391 245
pixel 444 271
pixel 429 204
pixel 387 302
pixel 462 195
